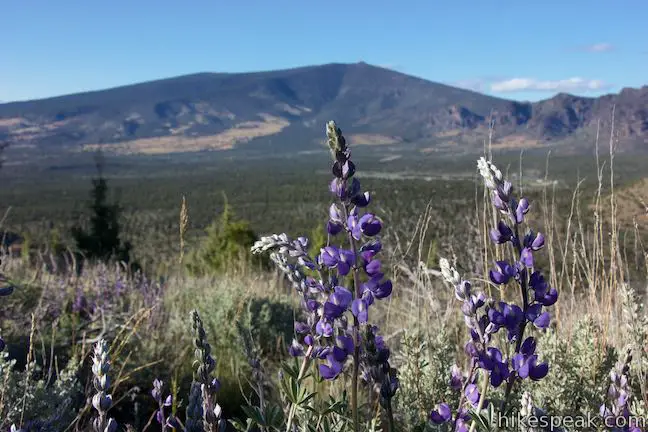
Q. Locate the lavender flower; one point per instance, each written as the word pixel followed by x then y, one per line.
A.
pixel 616 412
pixel 485 317
pixel 163 402
pixel 205 365
pixel 535 292
pixel 102 401
pixel 334 301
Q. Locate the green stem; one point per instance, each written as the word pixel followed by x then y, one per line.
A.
pixel 473 368
pixel 302 371
pixel 482 400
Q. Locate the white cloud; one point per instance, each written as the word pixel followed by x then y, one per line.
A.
pixel 575 84
pixel 598 47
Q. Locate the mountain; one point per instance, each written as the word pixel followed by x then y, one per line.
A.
pixel 286 110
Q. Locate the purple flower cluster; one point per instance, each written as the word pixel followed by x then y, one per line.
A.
pixel 485 317
pixel 326 333
pixel 102 401
pixel 209 386
pixel 163 402
pixel 615 412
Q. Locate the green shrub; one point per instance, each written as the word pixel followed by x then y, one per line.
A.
pixel 225 246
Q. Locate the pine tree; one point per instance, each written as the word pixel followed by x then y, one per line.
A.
pixel 102 241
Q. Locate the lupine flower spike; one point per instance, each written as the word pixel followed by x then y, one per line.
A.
pixel 616 410
pixel 485 317
pixel 163 402
pixel 205 365
pixel 102 401
pixel 335 303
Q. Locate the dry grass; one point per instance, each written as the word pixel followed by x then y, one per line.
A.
pixel 373 139
pixel 515 142
pixel 241 133
pixel 449 133
pixel 12 122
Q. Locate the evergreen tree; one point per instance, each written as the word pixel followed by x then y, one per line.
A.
pixel 102 240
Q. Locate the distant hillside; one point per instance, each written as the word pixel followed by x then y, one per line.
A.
pixel 286 110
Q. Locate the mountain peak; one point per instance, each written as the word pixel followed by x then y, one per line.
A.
pixel 216 111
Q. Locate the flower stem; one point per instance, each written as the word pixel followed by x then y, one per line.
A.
pixel 302 371
pixel 473 367
pixel 525 306
pixel 356 330
pixel 482 400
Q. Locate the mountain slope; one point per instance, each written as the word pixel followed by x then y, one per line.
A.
pixel 288 108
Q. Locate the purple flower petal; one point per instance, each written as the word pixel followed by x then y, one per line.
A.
pixel 542 322
pixel 441 414
pixel 370 225
pixel 331 370
pixel 372 267
pixel 528 346
pixel 526 257
pixel 360 310
pixel 539 371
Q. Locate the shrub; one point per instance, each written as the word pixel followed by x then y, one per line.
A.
pixel 226 244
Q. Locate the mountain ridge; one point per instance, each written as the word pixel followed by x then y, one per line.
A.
pixel 287 109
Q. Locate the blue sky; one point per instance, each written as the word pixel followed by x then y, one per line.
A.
pixel 525 50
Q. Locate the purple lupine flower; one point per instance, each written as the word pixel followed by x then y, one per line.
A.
pixel 337 303
pixel 535 291
pixel 527 367
pixel 506 315
pixel 534 241
pixel 525 363
pixel 526 257
pixel 377 287
pixel 360 310
pixel 521 209
pixel 472 394
pixel 504 273
pixel 535 315
pixel 331 369
pixel 492 361
pixel 162 402
pixel 326 328
pixel 542 293
pixel 456 378
pixel 441 414
pixel 502 233
pixel 616 410
pixel 370 225
pixel 372 268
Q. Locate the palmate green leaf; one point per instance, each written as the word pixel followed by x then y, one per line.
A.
pixel 291 370
pixel 291 390
pixel 254 414
pixel 484 420
pixel 305 396
pixel 272 417
pixel 240 426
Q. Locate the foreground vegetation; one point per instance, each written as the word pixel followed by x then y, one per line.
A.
pixel 470 331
